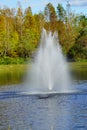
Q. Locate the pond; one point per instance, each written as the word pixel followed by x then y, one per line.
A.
pixel 62 111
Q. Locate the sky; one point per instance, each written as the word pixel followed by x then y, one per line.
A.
pixel 77 6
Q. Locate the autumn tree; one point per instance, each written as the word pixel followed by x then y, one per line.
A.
pixel 40 21
pixel 19 21
pixel 20 31
pixel 29 39
pixel 29 21
pixel 50 16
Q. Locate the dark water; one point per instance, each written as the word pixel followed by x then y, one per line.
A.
pixel 55 112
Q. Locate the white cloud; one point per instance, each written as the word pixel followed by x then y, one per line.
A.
pixel 78 2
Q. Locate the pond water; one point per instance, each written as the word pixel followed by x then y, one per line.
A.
pixel 65 111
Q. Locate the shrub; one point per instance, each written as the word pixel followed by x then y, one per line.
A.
pixel 11 60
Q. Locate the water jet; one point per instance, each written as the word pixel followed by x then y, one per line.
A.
pixel 49 70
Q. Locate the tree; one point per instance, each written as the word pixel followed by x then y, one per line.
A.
pixel 19 21
pixel 29 43
pixel 29 21
pixel 82 21
pixel 79 50
pixel 50 16
pixel 40 21
pixel 20 30
pixel 61 13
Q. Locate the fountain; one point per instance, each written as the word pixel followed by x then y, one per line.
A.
pixel 47 75
pixel 49 71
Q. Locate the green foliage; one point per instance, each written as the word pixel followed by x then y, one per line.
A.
pixel 20 32
pixel 28 43
pixel 9 60
pixel 50 16
pixel 61 12
pixel 79 50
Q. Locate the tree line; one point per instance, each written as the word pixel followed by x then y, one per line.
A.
pixel 20 32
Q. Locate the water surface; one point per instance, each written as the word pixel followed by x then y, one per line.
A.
pixel 56 112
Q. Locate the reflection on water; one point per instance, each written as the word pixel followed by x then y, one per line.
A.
pixel 10 77
pixel 17 76
pixel 80 74
pixel 58 112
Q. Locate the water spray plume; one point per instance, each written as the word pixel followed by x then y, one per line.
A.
pixel 49 71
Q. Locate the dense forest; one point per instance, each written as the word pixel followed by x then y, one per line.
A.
pixel 20 32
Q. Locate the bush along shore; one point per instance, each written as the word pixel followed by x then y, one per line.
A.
pixel 10 60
